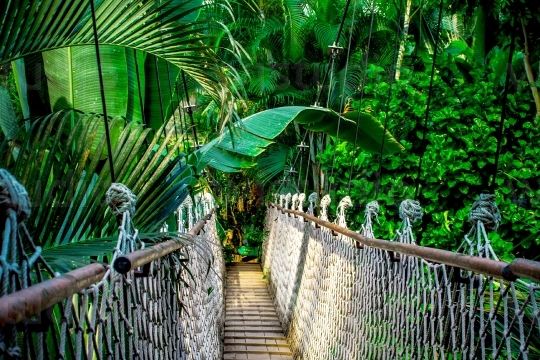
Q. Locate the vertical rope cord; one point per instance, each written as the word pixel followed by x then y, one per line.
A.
pixel 172 101
pixel 102 92
pixel 500 131
pixel 164 131
pixel 333 57
pixel 424 131
pixel 300 168
pixel 361 95
pixel 190 111
pixel 387 110
pixel 307 171
pixel 343 89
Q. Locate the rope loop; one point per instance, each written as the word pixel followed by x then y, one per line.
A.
pixel 120 199
pixel 13 196
pixel 301 199
pixel 410 209
pixel 294 202
pixel 485 210
pixel 325 202
pixel 312 203
pixel 344 204
pixel 287 199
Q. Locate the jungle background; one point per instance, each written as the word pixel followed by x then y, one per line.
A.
pixel 273 53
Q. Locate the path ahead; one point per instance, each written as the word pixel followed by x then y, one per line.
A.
pixel 252 329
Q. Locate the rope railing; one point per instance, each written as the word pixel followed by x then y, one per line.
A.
pixel 163 302
pixel 499 269
pixel 342 294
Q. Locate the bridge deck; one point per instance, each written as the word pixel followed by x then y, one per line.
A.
pixel 252 328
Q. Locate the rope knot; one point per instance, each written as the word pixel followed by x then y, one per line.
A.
pixel 120 199
pixel 485 210
pixel 410 209
pixel 13 196
pixel 372 209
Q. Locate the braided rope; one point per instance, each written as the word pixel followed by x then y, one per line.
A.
pixel 325 202
pixel 485 210
pixel 122 316
pixel 301 199
pixel 338 302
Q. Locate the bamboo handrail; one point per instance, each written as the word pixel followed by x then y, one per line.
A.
pixel 499 269
pixel 27 303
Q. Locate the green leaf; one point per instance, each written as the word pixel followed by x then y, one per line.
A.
pixel 370 130
pixel 8 120
pixel 73 79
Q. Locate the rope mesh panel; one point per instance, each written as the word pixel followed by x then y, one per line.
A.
pixel 176 312
pixel 338 302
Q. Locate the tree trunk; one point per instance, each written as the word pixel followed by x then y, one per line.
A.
pixel 402 43
pixel 528 70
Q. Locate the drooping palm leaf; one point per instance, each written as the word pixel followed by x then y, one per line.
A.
pixel 253 134
pixel 270 164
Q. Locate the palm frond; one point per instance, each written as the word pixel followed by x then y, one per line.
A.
pixel 67 180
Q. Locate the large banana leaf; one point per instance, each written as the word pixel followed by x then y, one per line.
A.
pixel 370 134
pixel 67 185
pixel 253 134
pixel 154 26
pixel 73 79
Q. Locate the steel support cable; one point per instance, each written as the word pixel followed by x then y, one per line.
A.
pixel 333 54
pixel 141 100
pixel 343 86
pixel 307 171
pixel 430 91
pixel 164 131
pixel 190 111
pixel 387 110
pixel 361 95
pixel 102 92
pixel 172 101
pixel 500 131
pixel 182 115
pixel 295 160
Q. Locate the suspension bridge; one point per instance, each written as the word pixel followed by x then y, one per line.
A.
pixel 322 290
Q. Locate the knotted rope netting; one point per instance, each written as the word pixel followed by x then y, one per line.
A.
pixel 174 311
pixel 339 302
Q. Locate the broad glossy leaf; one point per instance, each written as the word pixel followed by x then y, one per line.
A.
pixel 370 130
pixel 73 79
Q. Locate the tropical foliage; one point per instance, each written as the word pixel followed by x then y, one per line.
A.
pixel 254 70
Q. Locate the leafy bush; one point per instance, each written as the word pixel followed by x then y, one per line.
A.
pixel 458 163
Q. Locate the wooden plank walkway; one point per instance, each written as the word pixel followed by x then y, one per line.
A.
pixel 252 329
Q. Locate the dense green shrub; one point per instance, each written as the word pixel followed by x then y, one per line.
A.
pixel 458 163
